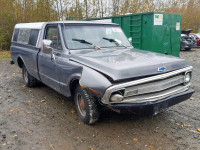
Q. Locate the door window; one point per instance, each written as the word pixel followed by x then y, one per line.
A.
pixel 52 34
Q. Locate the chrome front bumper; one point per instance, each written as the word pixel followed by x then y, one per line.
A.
pixel 152 108
pixel 150 89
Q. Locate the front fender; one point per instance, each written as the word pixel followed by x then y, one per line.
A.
pixel 94 80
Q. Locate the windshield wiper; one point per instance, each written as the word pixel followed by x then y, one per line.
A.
pixel 115 41
pixel 86 42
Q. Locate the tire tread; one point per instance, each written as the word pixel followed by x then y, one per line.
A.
pixel 32 82
pixel 92 111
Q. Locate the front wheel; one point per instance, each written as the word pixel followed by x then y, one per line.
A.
pixel 86 106
pixel 29 80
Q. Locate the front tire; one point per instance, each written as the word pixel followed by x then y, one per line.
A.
pixel 29 80
pixel 86 106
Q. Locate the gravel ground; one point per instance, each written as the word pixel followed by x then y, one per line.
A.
pixel 41 119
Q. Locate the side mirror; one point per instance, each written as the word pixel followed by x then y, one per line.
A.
pixel 47 46
pixel 130 40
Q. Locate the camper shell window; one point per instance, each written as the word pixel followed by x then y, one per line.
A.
pixel 26 36
pixel 33 37
pixel 15 36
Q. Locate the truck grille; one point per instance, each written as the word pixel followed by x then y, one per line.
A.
pixel 154 90
pixel 154 86
pixel 151 88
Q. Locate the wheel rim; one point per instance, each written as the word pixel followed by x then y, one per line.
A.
pixel 81 104
pixel 25 75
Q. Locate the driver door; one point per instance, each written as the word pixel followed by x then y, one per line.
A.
pixel 48 60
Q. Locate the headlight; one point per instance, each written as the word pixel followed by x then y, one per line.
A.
pixel 187 78
pixel 117 96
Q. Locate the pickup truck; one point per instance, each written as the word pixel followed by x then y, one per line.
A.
pixel 95 63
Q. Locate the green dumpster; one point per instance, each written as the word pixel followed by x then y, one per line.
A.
pixel 153 31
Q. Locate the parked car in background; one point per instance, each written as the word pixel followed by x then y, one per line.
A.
pixel 187 42
pixel 96 65
pixel 196 36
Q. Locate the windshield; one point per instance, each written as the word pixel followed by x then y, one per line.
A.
pixel 88 36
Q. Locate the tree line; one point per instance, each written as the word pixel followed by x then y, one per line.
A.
pixel 19 11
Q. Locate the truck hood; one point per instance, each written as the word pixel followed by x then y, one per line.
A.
pixel 128 63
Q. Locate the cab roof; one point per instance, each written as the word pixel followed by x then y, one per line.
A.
pixel 39 25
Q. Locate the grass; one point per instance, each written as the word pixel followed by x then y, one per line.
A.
pixel 5 54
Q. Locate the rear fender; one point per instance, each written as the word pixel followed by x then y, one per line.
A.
pixel 19 57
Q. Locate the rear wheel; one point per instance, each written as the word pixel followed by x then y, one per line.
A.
pixel 86 106
pixel 29 80
pixel 187 49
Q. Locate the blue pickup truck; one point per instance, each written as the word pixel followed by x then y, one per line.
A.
pixel 95 63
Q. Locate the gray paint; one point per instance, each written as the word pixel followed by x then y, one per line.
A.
pixel 94 80
pixel 128 63
pixel 29 56
pixel 89 66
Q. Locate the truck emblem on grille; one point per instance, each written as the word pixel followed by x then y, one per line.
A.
pixel 161 69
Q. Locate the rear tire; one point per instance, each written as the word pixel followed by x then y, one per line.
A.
pixel 29 80
pixel 86 106
pixel 188 49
